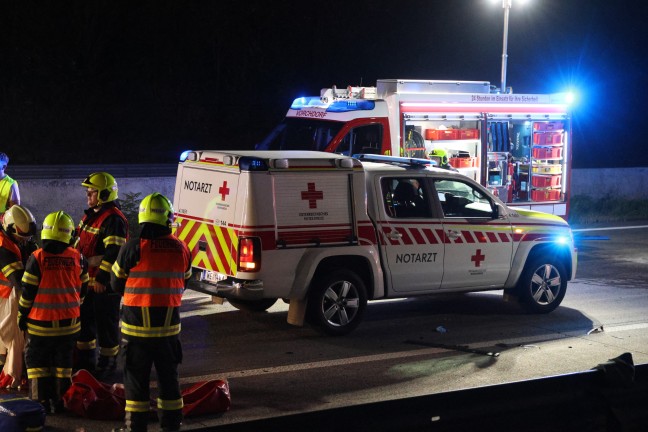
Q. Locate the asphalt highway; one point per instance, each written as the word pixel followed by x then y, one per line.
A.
pixel 414 347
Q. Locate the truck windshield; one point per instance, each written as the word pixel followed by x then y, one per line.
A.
pixel 301 134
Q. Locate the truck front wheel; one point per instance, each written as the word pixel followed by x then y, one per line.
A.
pixel 337 302
pixel 542 285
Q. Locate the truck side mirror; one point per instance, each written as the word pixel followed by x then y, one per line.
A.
pixel 497 211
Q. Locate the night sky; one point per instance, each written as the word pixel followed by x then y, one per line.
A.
pixel 139 81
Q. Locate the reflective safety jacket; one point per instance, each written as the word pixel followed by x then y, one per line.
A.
pixel 59 288
pixel 9 268
pixel 91 233
pixel 5 192
pixel 154 286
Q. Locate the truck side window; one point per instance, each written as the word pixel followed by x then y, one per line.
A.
pixel 406 197
pixel 362 139
pixel 459 199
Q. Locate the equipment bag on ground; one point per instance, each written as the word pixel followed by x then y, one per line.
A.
pixel 20 414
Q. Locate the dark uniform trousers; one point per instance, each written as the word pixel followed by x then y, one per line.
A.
pixel 99 323
pixel 140 354
pixel 49 365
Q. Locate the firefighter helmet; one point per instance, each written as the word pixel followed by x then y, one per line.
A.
pixel 441 154
pixel 58 226
pixel 156 208
pixel 104 183
pixel 18 220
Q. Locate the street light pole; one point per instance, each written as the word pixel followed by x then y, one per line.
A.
pixel 506 4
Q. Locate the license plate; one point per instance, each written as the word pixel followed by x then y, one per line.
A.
pixel 212 276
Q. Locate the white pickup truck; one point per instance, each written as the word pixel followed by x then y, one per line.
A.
pixel 327 233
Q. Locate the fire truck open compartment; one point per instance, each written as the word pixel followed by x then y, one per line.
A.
pixel 517 145
pixel 520 160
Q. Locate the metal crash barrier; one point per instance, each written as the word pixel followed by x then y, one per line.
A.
pixel 611 397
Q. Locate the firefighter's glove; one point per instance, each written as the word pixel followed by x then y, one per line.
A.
pixel 22 322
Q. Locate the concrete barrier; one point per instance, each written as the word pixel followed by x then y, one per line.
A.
pixel 45 196
pixel 629 183
pixel 47 189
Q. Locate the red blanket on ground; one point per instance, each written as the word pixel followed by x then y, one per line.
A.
pixel 93 399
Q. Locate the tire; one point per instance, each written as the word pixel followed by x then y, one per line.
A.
pixel 253 305
pixel 542 285
pixel 337 302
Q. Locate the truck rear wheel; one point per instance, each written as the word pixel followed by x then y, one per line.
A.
pixel 253 305
pixel 337 302
pixel 542 285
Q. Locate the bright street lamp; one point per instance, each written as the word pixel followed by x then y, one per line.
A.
pixel 506 4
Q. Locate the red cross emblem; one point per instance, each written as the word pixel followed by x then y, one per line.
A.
pixel 478 258
pixel 311 195
pixel 223 190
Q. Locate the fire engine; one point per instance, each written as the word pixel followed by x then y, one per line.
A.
pixel 327 232
pixel 517 145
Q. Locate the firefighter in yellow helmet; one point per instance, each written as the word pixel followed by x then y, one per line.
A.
pixel 55 280
pixel 9 192
pixel 150 272
pixel 16 244
pixel 103 230
pixel 441 156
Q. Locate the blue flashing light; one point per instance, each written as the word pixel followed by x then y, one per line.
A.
pixel 562 240
pixel 184 154
pixel 351 105
pixel 306 102
pixel 252 164
pixel 570 97
pixel 337 106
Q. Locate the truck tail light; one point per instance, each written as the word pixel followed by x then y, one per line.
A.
pixel 249 258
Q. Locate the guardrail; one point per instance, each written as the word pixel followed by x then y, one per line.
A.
pixel 587 401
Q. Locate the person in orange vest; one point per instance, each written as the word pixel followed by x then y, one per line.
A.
pixel 54 283
pixel 150 272
pixel 102 232
pixel 16 244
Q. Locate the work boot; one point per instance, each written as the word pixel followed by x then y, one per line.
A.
pixel 85 359
pixel 105 367
pixel 56 406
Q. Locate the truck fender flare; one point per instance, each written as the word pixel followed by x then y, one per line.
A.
pixel 523 255
pixel 312 258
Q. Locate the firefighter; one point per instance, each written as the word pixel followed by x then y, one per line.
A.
pixel 55 281
pixel 9 192
pixel 441 156
pixel 16 244
pixel 102 232
pixel 150 272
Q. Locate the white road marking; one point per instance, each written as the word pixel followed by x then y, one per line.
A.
pixel 609 228
pixel 624 327
pixel 313 365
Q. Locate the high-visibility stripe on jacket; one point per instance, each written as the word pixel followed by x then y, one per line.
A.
pixel 158 278
pixel 89 235
pixel 156 281
pixel 5 285
pixel 5 192
pixel 59 288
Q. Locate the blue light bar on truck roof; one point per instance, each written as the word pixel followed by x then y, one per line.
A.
pixel 337 106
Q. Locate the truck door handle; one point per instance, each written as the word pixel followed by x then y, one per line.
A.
pixel 454 234
pixel 394 235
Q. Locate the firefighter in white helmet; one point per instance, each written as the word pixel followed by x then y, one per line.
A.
pixel 150 272
pixel 102 232
pixel 16 244
pixel 55 280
